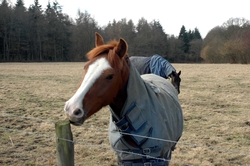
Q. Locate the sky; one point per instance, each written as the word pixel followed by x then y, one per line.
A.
pixel 172 14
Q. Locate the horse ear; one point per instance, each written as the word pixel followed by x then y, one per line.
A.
pixel 179 72
pixel 122 48
pixel 98 40
pixel 173 73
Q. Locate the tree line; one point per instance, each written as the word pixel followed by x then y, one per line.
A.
pixel 36 34
pixel 229 43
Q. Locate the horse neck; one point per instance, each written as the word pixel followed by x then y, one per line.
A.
pixel 119 100
pixel 121 96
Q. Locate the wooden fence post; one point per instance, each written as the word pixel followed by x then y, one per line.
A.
pixel 64 144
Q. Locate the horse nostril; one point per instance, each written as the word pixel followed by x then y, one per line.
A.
pixel 78 112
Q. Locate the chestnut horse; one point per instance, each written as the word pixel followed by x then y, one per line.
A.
pixel 146 118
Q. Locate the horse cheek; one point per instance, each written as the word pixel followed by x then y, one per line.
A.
pixel 91 104
pixel 102 89
pixel 110 92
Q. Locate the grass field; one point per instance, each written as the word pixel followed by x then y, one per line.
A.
pixel 215 99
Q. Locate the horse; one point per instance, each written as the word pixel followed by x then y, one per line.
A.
pixel 156 64
pixel 144 109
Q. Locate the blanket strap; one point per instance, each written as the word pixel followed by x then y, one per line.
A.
pixel 149 162
pixel 133 123
pixel 145 151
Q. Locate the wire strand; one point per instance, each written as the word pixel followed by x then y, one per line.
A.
pixel 122 133
pixel 90 145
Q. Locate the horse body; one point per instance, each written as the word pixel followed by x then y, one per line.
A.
pixel 142 64
pixel 151 110
pixel 140 109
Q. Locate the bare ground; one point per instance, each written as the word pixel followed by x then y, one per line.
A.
pixel 214 98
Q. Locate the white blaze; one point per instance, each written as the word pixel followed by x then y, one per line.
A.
pixel 94 72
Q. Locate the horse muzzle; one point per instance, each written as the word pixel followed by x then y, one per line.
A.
pixel 76 116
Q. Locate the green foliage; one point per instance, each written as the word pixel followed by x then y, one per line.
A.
pixel 33 34
pixel 191 42
pixel 150 39
pixel 196 34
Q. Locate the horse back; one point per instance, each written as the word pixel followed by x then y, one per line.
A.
pixel 165 102
pixel 159 84
pixel 142 64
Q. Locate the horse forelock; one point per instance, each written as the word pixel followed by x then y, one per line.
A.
pixel 108 49
pixel 115 60
pixel 101 49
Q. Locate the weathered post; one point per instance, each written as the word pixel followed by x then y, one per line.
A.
pixel 64 143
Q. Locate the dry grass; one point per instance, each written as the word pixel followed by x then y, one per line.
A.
pixel 214 98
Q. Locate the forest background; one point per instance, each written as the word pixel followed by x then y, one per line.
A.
pixel 36 35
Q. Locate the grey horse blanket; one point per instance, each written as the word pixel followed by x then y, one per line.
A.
pixel 155 64
pixel 152 109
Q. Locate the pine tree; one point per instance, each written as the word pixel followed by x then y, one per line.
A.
pixel 190 35
pixel 5 26
pixel 197 34
pixel 36 31
pixel 183 36
pixel 19 32
pixel 182 32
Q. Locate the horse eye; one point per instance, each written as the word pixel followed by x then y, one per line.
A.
pixel 110 77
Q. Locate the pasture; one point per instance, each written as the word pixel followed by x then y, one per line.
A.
pixel 215 99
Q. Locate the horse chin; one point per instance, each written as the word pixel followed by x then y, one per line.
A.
pixel 78 123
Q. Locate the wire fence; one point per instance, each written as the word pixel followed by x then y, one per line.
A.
pixel 53 137
pixel 88 144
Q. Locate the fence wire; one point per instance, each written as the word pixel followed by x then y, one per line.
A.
pixel 106 130
pixel 89 145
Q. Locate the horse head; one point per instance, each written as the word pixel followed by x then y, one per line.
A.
pixel 176 80
pixel 105 76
